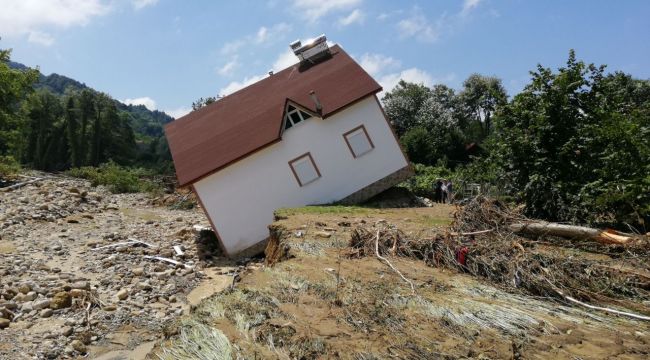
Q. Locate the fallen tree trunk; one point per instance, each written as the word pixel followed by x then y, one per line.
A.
pixel 540 228
pixel 19 185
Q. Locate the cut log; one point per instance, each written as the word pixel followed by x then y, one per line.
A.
pixel 541 228
pixel 167 260
pixel 19 185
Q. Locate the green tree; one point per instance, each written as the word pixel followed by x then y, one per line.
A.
pixel 72 132
pixel 44 112
pixel 575 145
pixel 14 86
pixel 403 104
pixel 481 97
pixel 201 102
pixel 87 112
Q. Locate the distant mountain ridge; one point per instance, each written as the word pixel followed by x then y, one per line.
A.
pixel 145 122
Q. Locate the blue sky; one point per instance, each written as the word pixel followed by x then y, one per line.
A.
pixel 167 53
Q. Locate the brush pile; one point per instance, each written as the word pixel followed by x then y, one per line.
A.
pixel 481 243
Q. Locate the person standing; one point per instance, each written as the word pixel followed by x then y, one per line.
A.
pixel 437 191
pixel 444 191
pixel 450 192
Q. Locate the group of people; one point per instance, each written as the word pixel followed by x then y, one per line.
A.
pixel 443 191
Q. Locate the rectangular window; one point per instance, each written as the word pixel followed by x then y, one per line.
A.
pixel 358 141
pixel 304 169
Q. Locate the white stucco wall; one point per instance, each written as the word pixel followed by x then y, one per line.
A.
pixel 242 197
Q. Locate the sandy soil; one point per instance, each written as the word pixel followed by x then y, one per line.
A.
pixel 322 304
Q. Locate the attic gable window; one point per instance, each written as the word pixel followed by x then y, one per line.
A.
pixel 294 116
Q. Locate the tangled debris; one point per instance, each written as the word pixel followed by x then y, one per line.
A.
pixel 483 244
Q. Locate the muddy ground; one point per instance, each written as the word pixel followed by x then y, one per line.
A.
pixel 75 284
pixel 321 304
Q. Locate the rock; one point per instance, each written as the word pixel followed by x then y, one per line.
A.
pixel 61 300
pixel 144 286
pixel 138 271
pixel 46 313
pixel 41 304
pixel 74 190
pixel 25 297
pixel 122 294
pixel 66 331
pixel 109 308
pixel 323 234
pixel 76 293
pixel 78 346
pixel 24 288
pixel 168 253
pixel 81 285
pixel 4 323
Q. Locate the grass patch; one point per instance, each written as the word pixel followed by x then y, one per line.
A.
pixel 197 341
pixel 431 221
pixel 141 214
pixel 118 179
pixel 325 209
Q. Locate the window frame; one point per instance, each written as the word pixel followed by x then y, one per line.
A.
pixel 347 142
pixel 298 110
pixel 313 163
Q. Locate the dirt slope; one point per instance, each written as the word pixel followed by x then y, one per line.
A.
pixel 322 304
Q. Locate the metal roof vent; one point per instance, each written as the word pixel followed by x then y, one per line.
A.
pixel 311 52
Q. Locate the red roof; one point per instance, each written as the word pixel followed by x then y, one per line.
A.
pixel 237 125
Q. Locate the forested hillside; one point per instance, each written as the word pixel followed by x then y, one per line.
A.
pixel 55 123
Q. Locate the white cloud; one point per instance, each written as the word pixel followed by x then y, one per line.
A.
pixel 388 72
pixel 39 37
pixel 418 26
pixel 315 9
pixel 28 17
pixel 276 31
pixel 382 16
pixel 139 4
pixel 263 35
pixel 236 85
pixel 468 6
pixel 232 47
pixel 284 60
pixel 356 16
pixel 145 100
pixel 178 112
pixel 228 68
pixel 376 64
pixel 413 75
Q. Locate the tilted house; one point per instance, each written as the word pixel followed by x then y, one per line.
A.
pixel 273 145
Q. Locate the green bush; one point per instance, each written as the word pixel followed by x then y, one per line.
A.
pixel 8 166
pixel 117 178
pixel 425 176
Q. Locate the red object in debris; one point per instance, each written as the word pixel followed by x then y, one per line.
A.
pixel 461 255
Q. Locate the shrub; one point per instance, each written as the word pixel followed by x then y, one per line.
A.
pixel 425 176
pixel 117 178
pixel 8 166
